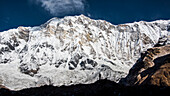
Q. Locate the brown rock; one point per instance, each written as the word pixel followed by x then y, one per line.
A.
pixel 153 68
pixel 23 33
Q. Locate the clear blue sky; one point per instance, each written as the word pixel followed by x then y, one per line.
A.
pixel 16 13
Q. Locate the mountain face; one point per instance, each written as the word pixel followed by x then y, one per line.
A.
pixel 74 50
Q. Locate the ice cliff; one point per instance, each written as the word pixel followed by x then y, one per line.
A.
pixel 74 50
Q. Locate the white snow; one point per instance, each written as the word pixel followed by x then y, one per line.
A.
pixel 74 50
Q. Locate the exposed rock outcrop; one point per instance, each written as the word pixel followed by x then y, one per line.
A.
pixel 153 68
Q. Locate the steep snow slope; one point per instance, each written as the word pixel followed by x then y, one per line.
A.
pixel 74 50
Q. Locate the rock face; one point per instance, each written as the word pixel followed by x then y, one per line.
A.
pixel 153 68
pixel 74 50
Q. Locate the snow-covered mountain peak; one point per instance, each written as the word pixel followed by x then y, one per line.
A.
pixel 73 50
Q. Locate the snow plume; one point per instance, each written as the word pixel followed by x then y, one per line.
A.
pixel 63 7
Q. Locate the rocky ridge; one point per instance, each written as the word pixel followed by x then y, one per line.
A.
pixel 152 68
pixel 74 50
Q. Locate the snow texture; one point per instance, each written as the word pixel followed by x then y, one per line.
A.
pixel 74 50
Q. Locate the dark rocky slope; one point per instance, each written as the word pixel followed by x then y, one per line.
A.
pixel 153 68
pixel 100 88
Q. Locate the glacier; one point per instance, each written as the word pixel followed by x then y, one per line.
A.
pixel 74 50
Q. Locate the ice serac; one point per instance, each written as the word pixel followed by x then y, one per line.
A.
pixel 74 50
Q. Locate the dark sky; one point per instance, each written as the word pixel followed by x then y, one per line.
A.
pixel 14 13
pixel 123 11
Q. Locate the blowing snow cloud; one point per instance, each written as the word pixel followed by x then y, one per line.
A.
pixel 63 7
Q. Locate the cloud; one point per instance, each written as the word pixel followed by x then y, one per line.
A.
pixel 63 7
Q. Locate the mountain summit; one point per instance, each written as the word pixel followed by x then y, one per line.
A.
pixel 74 50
